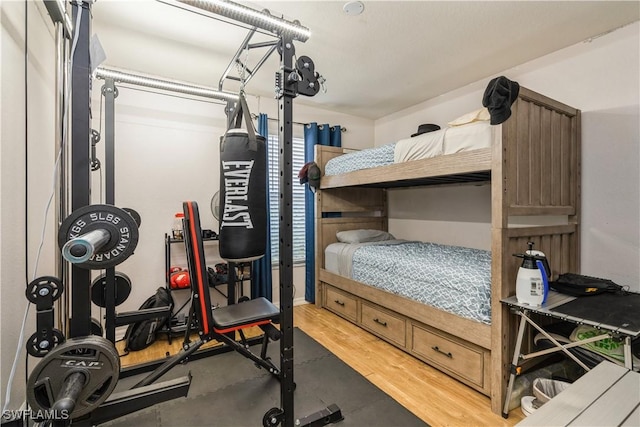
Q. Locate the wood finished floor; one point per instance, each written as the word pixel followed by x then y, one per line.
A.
pixel 431 395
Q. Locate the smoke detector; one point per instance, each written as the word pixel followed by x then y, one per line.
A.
pixel 353 8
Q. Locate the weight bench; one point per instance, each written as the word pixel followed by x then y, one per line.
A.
pixel 221 323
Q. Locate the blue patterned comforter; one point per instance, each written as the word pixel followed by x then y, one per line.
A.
pixel 451 278
pixel 364 159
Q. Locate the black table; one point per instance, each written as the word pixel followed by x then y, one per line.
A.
pixel 616 315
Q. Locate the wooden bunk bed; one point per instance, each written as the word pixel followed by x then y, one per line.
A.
pixel 534 169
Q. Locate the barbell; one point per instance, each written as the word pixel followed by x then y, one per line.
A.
pixel 74 378
pixel 96 237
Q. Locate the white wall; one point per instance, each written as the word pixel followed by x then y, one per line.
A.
pixel 26 158
pixel 600 77
pixel 359 131
pixel 167 151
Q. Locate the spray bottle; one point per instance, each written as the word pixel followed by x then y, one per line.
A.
pixel 532 284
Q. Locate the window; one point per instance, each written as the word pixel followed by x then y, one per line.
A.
pixel 298 199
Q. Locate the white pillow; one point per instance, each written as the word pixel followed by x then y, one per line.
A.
pixel 475 116
pixel 363 236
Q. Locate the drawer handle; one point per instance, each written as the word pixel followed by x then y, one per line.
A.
pixel 339 302
pixel 380 322
pixel 436 348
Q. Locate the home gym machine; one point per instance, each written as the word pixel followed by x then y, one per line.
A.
pixel 75 378
pixel 74 381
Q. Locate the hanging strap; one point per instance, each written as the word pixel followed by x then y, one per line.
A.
pixel 236 122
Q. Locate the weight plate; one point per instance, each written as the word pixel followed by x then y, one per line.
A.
pixel 42 284
pixel 99 284
pixel 94 356
pixel 37 347
pixel 96 327
pixel 120 225
pixel 135 215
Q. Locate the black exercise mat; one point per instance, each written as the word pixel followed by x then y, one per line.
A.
pixel 620 310
pixel 229 390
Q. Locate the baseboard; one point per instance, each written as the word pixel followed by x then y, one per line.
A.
pixel 120 332
pixel 300 301
pixel 296 301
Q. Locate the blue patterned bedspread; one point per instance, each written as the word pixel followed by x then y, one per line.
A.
pixel 364 159
pixel 451 278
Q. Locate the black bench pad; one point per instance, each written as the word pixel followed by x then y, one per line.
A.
pixel 245 313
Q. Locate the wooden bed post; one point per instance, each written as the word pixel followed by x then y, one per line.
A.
pixel 499 223
pixel 536 172
pixel 319 249
pixel 576 175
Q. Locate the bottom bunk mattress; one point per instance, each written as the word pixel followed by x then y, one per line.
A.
pixel 452 278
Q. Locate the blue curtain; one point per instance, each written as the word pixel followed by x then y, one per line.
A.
pixel 324 135
pixel 261 269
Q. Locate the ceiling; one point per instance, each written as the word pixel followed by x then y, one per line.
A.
pixel 394 55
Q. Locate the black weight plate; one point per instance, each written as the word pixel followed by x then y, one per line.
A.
pixel 99 284
pixel 120 225
pixel 50 283
pixel 96 327
pixel 94 356
pixel 135 215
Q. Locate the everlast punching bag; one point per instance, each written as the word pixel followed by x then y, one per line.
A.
pixel 243 190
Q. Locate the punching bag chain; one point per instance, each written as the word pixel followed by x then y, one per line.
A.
pixel 241 67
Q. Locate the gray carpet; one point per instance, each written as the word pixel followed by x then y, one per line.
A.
pixel 229 390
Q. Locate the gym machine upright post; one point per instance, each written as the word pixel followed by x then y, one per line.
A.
pixel 75 379
pixel 291 81
pixel 111 290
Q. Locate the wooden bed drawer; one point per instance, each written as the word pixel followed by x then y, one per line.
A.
pixel 456 357
pixel 383 323
pixel 341 303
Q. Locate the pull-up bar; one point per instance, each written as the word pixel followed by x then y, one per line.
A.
pixel 259 19
pixel 164 84
pixel 236 59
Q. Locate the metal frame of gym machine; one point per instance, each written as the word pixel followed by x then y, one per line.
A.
pixel 79 325
pixel 110 92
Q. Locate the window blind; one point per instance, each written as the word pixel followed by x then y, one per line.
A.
pixel 298 198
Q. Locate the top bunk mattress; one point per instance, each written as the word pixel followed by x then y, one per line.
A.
pixel 451 140
pixel 452 278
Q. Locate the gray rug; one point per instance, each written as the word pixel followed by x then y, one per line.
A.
pixel 229 390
